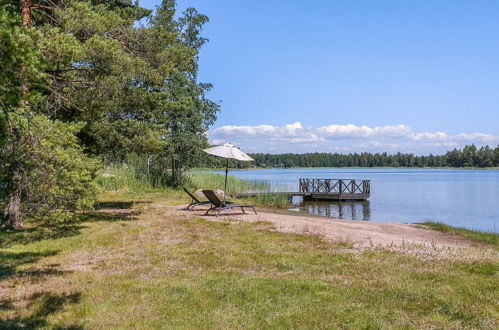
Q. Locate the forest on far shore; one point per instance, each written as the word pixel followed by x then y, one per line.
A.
pixel 469 156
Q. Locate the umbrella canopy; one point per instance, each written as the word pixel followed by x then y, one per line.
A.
pixel 228 150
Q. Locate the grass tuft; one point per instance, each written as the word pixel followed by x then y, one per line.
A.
pixel 472 235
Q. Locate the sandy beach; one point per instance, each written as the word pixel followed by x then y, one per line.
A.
pixel 360 234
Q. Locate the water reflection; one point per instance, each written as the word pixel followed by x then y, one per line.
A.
pixel 460 198
pixel 358 210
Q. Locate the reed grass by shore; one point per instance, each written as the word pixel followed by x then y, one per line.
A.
pixel 472 235
pixel 136 181
pixel 272 200
pixel 208 180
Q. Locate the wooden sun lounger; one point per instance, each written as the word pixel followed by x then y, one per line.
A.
pixel 220 205
pixel 194 202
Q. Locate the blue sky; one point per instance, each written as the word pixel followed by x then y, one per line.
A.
pixel 352 75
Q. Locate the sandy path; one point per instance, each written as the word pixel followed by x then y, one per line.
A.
pixel 361 234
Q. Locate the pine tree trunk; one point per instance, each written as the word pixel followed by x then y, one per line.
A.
pixel 174 173
pixel 12 212
pixel 26 12
pixel 178 172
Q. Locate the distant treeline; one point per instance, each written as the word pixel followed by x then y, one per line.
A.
pixel 469 156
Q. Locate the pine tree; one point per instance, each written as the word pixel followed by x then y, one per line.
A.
pixel 121 86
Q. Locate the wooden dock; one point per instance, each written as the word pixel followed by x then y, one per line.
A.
pixel 326 189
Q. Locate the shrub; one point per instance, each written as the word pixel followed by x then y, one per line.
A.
pixel 55 175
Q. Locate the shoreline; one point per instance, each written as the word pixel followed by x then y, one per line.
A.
pixel 354 167
pixel 287 211
pixel 361 235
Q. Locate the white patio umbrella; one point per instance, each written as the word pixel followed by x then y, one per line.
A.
pixel 228 151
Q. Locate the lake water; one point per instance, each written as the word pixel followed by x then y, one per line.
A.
pixel 461 198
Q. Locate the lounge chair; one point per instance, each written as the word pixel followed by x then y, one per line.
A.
pixel 220 205
pixel 194 202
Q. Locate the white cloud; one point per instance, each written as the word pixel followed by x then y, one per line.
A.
pixel 437 136
pixel 344 138
pixel 352 131
pixel 294 133
pixel 294 127
pixel 255 131
pixel 478 138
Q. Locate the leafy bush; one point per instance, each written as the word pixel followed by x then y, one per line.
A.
pixel 56 175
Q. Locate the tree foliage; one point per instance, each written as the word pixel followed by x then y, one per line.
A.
pixel 56 175
pixel 106 77
pixel 469 156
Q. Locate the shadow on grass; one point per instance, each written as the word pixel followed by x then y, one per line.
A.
pixel 40 306
pixel 117 205
pixel 37 233
pixel 72 226
pixel 9 261
pixel 115 215
pixel 107 211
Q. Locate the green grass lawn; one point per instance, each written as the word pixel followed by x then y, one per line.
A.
pixel 132 265
pixel 476 236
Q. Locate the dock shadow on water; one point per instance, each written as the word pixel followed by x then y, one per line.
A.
pixel 346 210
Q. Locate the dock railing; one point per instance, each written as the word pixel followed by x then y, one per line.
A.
pixel 326 189
pixel 336 188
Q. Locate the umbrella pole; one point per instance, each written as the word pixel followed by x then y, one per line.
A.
pixel 226 172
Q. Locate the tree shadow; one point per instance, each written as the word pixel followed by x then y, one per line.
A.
pixel 117 204
pixel 38 233
pixel 9 261
pixel 70 226
pixel 6 304
pixel 108 215
pixel 40 274
pixel 41 305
